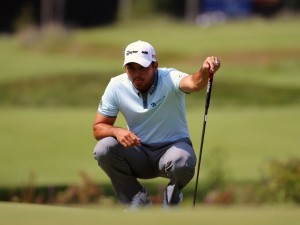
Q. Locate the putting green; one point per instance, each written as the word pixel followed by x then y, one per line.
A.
pixel 14 214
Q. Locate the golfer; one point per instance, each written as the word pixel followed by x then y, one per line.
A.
pixel 156 142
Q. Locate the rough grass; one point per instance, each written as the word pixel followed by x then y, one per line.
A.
pixel 260 61
pixel 86 90
pixel 249 42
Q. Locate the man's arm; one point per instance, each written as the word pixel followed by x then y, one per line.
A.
pixel 199 79
pixel 104 127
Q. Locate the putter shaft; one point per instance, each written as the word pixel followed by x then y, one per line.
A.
pixel 208 94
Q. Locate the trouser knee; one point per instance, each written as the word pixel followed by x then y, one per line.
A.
pixel 180 167
pixel 103 148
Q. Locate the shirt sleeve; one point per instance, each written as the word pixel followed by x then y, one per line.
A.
pixel 176 77
pixel 108 106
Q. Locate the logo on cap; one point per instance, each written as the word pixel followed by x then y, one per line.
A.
pixel 131 52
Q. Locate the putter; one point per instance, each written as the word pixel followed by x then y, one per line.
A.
pixel 208 94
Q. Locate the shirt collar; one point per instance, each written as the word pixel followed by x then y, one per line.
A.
pixel 154 85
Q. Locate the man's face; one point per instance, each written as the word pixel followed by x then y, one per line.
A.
pixel 141 77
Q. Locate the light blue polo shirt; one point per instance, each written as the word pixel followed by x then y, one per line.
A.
pixel 158 117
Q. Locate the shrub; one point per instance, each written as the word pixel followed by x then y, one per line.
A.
pixel 282 182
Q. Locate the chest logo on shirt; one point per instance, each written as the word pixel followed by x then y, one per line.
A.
pixel 154 104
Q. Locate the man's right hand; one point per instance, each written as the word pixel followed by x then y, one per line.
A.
pixel 126 137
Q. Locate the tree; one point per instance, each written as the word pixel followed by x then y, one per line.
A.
pixel 124 9
pixel 52 11
pixel 191 10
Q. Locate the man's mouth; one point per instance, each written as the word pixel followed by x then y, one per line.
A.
pixel 138 81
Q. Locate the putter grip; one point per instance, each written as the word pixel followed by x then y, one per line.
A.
pixel 208 92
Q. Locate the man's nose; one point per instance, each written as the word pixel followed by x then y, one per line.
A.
pixel 138 71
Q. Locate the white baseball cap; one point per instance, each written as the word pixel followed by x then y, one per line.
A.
pixel 140 52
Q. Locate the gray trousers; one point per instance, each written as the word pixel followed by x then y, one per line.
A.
pixel 175 161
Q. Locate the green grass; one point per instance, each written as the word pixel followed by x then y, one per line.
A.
pixel 86 89
pixel 100 50
pixel 36 215
pixel 260 61
pixel 17 63
pixel 56 144
pixel 247 138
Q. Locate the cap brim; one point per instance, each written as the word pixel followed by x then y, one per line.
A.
pixel 141 61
